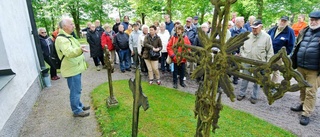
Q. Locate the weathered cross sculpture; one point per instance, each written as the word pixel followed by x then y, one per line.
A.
pixel 208 105
pixel 139 99
pixel 111 101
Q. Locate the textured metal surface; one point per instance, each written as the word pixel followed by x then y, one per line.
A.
pixel 216 69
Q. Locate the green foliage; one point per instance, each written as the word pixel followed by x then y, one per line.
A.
pixel 170 114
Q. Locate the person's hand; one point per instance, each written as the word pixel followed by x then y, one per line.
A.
pixel 155 49
pixel 83 48
pixel 132 53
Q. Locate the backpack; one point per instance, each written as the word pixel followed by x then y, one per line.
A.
pixel 54 55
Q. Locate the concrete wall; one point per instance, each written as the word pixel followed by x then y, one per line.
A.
pixel 19 45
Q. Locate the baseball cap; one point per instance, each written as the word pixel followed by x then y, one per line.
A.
pixel 195 17
pixel 257 23
pixel 315 14
pixel 284 18
pixel 189 19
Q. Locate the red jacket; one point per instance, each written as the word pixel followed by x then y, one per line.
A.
pixel 106 40
pixel 173 40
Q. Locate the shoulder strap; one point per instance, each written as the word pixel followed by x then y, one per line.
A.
pixel 63 35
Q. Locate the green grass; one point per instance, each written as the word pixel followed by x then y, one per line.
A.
pixel 170 115
pixel 83 41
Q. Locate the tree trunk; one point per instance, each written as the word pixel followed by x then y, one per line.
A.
pixel 143 17
pixel 169 3
pixel 260 8
pixel 74 10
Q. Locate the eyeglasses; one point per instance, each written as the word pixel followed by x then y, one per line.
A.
pixel 43 32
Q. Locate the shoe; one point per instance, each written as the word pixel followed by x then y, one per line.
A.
pixel 128 69
pixel 81 114
pixel 86 108
pixel 297 108
pixel 235 81
pixel 158 82
pixel 253 101
pixel 304 120
pixel 123 71
pixel 150 82
pixel 239 98
pixel 183 85
pixel 184 78
pixel 54 78
pixel 98 68
pixel 58 77
pixel 175 85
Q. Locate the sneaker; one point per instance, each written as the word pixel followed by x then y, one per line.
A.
pixel 123 71
pixel 235 81
pixel 128 69
pixel 54 78
pixel 81 114
pixel 253 101
pixel 175 85
pixel 304 120
pixel 297 108
pixel 150 82
pixel 183 85
pixel 158 82
pixel 58 77
pixel 98 68
pixel 239 98
pixel 86 108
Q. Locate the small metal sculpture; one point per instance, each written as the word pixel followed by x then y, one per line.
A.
pixel 207 104
pixel 139 99
pixel 111 101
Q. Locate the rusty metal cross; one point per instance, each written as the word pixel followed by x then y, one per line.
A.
pixel 208 103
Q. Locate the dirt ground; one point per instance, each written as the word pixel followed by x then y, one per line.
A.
pixel 52 116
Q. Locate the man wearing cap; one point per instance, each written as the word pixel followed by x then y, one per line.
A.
pixel 195 21
pixel 282 36
pixel 257 47
pixel 191 32
pixel 134 42
pixel 306 59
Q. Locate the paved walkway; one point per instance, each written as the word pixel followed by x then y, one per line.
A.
pixel 52 116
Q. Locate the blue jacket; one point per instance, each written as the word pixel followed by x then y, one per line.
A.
pixel 191 34
pixel 247 26
pixel 125 25
pixel 169 26
pixel 285 39
pixel 235 31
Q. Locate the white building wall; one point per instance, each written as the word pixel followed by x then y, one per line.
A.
pixel 16 34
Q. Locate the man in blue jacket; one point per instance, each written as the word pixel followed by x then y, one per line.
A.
pixel 282 36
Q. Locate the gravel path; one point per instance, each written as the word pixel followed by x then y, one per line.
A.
pixel 52 116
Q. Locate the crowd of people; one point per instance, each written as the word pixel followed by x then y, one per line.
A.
pixel 143 47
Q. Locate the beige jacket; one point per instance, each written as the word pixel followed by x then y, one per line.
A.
pixel 257 47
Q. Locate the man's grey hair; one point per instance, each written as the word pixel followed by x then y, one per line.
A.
pixel 167 15
pixel 63 21
pixel 144 26
pixel 39 29
pixel 252 18
pixel 162 24
pixel 205 25
pixel 238 19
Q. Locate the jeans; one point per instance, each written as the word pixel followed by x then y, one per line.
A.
pixel 178 69
pixel 125 61
pixel 164 64
pixel 244 85
pixel 74 84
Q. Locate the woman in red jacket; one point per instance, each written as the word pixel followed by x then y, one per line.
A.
pixel 106 41
pixel 181 67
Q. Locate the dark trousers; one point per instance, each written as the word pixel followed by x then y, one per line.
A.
pixel 135 57
pixel 98 59
pixel 124 56
pixel 143 65
pixel 178 69
pixel 164 65
pixel 53 70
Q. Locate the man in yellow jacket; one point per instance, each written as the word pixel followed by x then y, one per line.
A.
pixel 72 64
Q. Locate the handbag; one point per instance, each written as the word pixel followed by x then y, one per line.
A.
pixel 154 55
pixel 169 60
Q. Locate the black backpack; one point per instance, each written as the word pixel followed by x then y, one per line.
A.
pixel 54 57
